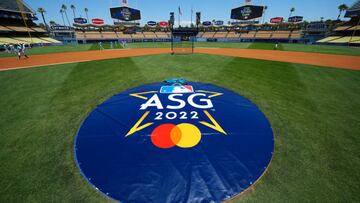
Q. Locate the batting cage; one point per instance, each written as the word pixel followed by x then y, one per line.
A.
pixel 183 40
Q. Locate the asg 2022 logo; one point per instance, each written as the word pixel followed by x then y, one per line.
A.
pixel 174 141
pixel 176 112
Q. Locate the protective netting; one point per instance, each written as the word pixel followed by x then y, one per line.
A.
pixel 182 45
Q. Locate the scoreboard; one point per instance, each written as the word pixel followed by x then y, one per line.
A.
pixel 125 13
pixel 247 12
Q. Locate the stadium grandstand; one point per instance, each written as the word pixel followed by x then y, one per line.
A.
pixel 92 33
pixel 346 33
pixel 17 25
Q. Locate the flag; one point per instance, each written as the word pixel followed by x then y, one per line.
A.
pixel 247 1
pixel 125 2
pixel 180 13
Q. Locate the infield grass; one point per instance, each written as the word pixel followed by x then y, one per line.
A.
pixel 314 112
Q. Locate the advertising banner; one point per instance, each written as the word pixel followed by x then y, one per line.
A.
pixel 207 23
pixel 80 20
pixel 277 20
pixel 97 21
pixel 151 23
pixel 219 23
pixel 295 19
pixel 163 24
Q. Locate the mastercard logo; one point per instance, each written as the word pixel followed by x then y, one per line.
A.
pixel 184 135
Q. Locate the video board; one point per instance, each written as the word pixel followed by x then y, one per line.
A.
pixel 247 12
pixel 125 13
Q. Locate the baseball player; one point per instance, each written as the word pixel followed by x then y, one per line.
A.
pixel 21 48
pixel 123 43
pixel 101 46
pixel 6 47
pixel 12 48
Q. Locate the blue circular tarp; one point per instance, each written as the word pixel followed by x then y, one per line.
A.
pixel 186 143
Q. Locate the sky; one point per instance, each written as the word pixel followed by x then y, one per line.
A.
pixel 158 10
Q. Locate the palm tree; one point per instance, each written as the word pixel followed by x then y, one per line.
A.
pixel 52 23
pixel 265 8
pixel 42 11
pixel 64 8
pixel 292 10
pixel 342 7
pixel 73 9
pixel 62 15
pixel 86 12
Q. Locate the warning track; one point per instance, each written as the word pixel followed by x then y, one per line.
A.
pixel 325 60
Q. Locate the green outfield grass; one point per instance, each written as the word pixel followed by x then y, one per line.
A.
pixel 62 49
pixel 314 112
pixel 326 49
pixel 266 46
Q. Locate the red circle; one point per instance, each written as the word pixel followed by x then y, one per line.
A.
pixel 161 136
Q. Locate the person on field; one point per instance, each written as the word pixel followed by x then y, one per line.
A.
pixel 111 45
pixel 276 45
pixel 21 49
pixel 12 48
pixel 7 48
pixel 101 46
pixel 123 44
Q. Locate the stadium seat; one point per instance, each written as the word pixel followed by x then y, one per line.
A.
pixel 93 35
pixel 329 39
pixel 347 39
pixel 248 35
pixel 263 34
pixel 162 35
pixel 200 34
pixel 233 35
pixel 208 35
pixel 2 28
pixel 296 34
pixel 38 29
pixel 51 40
pixel 109 35
pixel 149 35
pixel 80 35
pixel 33 40
pixel 124 36
pixel 342 28
pixel 281 35
pixel 221 35
pixel 20 29
pixel 138 35
pixel 6 40
pixel 355 28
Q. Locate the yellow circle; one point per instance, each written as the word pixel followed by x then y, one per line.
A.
pixel 190 135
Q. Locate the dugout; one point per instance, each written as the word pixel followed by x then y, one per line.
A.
pixel 183 40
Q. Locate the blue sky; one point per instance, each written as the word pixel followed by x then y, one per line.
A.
pixel 158 10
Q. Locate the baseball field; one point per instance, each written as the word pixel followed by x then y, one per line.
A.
pixel 313 109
